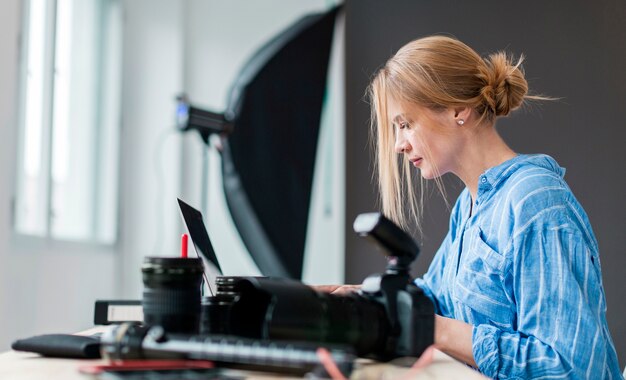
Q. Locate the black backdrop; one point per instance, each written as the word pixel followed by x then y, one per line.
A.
pixel 576 50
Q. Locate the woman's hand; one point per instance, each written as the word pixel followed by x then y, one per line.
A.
pixel 337 289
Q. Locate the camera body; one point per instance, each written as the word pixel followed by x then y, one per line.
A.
pixel 389 317
pixel 409 313
pixel 281 323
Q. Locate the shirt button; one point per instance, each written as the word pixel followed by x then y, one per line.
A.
pixel 483 180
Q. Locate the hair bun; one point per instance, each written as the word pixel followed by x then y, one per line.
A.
pixel 505 86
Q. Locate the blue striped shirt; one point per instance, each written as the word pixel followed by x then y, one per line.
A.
pixel 521 265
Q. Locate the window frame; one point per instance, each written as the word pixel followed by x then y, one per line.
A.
pixel 44 236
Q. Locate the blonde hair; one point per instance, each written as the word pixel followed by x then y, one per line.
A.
pixel 436 72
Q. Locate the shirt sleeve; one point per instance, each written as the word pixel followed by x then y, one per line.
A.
pixel 560 303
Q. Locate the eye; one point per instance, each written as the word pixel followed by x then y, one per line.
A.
pixel 403 124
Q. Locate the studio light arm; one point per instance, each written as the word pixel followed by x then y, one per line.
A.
pixel 189 117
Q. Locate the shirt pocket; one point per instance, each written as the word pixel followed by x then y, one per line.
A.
pixel 479 286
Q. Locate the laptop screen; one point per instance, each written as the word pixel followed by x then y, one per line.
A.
pixel 199 236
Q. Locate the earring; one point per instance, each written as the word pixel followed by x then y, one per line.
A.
pixel 460 122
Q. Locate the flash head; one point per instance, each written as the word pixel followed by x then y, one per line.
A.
pixel 395 243
pixel 190 117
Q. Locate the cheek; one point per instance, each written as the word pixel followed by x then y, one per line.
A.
pixel 417 141
pixel 439 155
pixel 416 144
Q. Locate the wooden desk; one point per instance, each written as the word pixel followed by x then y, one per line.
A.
pixel 27 366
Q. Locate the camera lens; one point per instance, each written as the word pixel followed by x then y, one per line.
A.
pixel 303 314
pixel 215 315
pixel 267 308
pixel 171 296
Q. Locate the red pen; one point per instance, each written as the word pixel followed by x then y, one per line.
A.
pixel 183 246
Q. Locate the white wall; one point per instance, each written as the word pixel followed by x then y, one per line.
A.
pixel 150 164
pixel 9 15
pixel 44 287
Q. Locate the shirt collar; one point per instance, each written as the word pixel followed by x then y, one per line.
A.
pixel 492 177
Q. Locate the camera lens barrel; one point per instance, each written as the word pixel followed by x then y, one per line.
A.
pixel 215 316
pixel 303 314
pixel 281 309
pixel 172 293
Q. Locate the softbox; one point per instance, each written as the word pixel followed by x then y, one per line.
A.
pixel 275 108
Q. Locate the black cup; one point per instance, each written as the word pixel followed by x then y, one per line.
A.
pixel 172 293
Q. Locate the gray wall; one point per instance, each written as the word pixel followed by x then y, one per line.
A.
pixel 575 50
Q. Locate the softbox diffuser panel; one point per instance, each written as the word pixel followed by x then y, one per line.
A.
pixel 275 107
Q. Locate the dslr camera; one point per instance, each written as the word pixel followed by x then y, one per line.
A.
pixel 265 320
pixel 388 317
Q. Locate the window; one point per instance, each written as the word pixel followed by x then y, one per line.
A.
pixel 69 116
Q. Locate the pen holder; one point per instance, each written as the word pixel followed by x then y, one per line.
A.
pixel 172 293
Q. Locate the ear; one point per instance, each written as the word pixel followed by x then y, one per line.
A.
pixel 461 115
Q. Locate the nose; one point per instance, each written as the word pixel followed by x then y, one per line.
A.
pixel 402 145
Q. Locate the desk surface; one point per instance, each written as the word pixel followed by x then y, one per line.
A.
pixel 27 366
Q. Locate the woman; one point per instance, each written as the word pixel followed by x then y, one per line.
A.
pixel 516 283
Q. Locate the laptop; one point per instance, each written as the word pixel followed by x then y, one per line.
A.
pixel 194 224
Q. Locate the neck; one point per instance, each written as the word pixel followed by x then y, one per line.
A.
pixel 484 149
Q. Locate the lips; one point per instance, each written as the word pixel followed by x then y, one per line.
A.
pixel 416 161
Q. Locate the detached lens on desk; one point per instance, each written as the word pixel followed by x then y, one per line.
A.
pixel 216 315
pixel 171 296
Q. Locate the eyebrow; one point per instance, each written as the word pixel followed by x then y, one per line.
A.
pixel 397 119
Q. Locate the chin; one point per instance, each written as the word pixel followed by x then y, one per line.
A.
pixel 428 174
